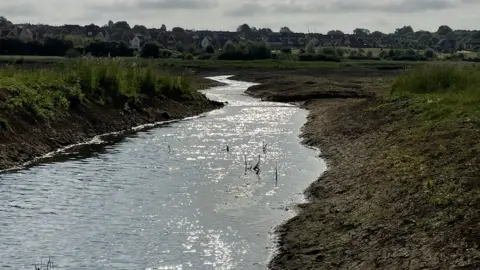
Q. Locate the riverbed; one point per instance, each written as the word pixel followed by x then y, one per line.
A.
pixel 178 196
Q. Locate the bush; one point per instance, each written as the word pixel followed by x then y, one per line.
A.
pixel 430 54
pixel 150 50
pixel 411 52
pixel 318 57
pixel 409 58
pixel 363 57
pixel 210 49
pixel 383 54
pixel 247 51
pixel 286 50
pixel 72 53
pixel 50 47
pixel 205 56
pixel 328 51
pixel 165 53
pixel 188 56
pixel 341 52
pixel 112 48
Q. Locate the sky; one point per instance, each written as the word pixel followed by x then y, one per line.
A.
pixel 317 16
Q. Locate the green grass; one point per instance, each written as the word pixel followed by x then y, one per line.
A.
pixel 219 64
pixel 442 91
pixel 49 91
pixel 441 108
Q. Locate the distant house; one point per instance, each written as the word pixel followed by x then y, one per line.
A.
pixel 25 34
pixel 53 32
pixel 446 45
pixel 206 41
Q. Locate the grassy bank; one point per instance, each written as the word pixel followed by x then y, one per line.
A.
pixel 402 188
pixel 46 107
pixel 48 92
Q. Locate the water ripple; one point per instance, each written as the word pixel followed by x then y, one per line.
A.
pixel 167 198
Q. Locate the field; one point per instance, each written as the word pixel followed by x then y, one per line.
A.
pixel 219 64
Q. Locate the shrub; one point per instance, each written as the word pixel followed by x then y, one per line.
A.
pixel 340 52
pixel 383 54
pixel 318 57
pixel 150 50
pixel 328 51
pixel 247 51
pixel 286 50
pixel 411 52
pixel 430 54
pixel 210 49
pixel 165 53
pixel 188 56
pixel 205 56
pixel 72 53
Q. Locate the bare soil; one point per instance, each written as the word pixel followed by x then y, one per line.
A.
pixel 397 194
pixel 23 138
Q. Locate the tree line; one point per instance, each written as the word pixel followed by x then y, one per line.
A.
pixel 63 47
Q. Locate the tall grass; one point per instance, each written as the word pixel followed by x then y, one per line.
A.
pixel 441 91
pixel 48 91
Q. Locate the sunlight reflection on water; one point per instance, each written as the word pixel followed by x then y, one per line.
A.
pixel 167 198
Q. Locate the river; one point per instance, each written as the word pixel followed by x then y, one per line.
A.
pixel 170 197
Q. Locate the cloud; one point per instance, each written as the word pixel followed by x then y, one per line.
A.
pixel 348 6
pixel 405 6
pixel 176 4
pixel 246 10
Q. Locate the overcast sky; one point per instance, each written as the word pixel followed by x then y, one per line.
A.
pixel 300 15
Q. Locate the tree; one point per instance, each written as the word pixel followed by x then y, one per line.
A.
pixel 361 32
pixel 377 34
pixel 310 48
pixel 4 22
pixel 163 28
pixel 404 30
pixel 429 53
pixel 444 30
pixel 150 49
pixel 122 25
pixel 265 31
pixel 335 33
pixel 210 49
pixel 178 29
pixel 244 28
pixel 285 29
pixel 140 28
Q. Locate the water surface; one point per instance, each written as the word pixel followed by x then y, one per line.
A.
pixel 171 197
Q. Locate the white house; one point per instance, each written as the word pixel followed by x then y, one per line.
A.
pixel 135 42
pixel 205 42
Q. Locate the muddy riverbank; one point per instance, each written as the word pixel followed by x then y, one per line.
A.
pixel 398 193
pixel 23 137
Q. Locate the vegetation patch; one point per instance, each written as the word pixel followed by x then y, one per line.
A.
pixel 47 92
